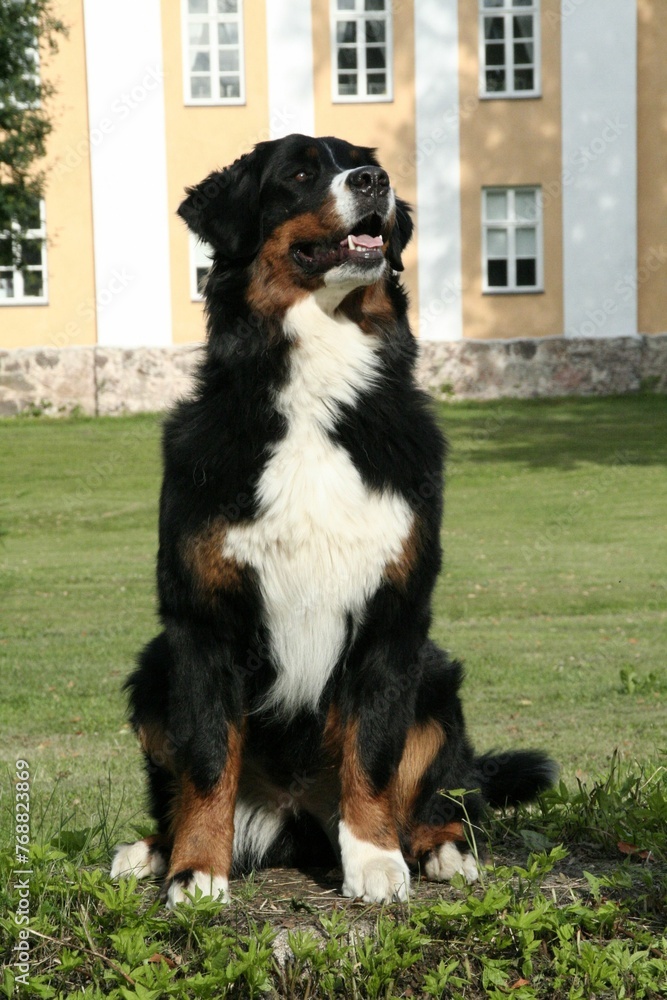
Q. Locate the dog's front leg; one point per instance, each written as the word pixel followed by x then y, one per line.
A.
pixel 203 826
pixel 205 722
pixel 368 748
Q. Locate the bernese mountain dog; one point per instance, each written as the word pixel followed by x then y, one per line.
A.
pixel 293 708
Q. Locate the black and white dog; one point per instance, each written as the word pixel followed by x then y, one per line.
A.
pixel 293 704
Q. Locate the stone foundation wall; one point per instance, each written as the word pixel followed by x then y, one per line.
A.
pixel 105 380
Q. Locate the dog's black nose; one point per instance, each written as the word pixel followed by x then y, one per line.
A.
pixel 373 182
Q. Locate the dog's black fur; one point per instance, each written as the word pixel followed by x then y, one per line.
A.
pixel 201 696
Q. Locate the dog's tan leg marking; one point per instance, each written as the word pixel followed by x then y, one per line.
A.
pixel 373 865
pixel 204 831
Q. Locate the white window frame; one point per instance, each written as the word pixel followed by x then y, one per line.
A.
pixel 511 224
pixel 507 9
pixel 360 15
pixel 214 72
pixel 199 252
pixel 20 298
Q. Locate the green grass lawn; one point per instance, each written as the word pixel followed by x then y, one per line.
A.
pixel 553 591
pixel 554 585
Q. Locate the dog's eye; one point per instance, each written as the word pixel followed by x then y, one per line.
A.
pixel 301 176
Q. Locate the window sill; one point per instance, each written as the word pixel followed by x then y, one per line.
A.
pixel 513 291
pixel 528 96
pixel 383 99
pixel 6 303
pixel 232 102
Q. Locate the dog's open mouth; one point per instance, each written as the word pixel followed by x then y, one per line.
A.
pixel 362 246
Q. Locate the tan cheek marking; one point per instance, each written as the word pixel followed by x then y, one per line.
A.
pixel 203 823
pixel 370 308
pixel 422 745
pixel 277 281
pixel 399 572
pixel 212 572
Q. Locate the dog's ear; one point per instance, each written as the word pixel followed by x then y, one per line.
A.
pixel 400 234
pixel 224 209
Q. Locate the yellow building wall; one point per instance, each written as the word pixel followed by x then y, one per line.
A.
pixel 388 125
pixel 507 143
pixel 652 167
pixel 69 317
pixel 202 139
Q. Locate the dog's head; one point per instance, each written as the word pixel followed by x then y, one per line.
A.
pixel 308 212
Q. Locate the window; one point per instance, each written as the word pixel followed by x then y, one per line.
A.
pixel 512 239
pixel 213 52
pixel 200 263
pixel 361 50
pixel 509 48
pixel 23 261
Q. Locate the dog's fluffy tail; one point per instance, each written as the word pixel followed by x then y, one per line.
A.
pixel 506 779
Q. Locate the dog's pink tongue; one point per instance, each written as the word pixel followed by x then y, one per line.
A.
pixel 367 241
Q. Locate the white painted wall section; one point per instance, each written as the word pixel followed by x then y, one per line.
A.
pixel 290 67
pixel 129 172
pixel 438 169
pixel 599 107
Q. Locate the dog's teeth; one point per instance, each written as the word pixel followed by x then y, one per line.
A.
pixel 350 243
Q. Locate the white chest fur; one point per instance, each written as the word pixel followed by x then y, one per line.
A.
pixel 322 539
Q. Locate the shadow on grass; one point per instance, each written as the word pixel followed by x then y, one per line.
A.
pixel 560 433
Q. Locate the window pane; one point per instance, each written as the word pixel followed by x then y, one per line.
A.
pixel 229 59
pixel 203 255
pixel 523 79
pixel 494 28
pixel 230 86
pixel 198 6
pixel 374 5
pixel 523 26
pixel 493 3
pixel 228 6
pixel 31 252
pixel 496 243
pixel 6 258
pixel 526 242
pixel 202 274
pixel 523 53
pixel 32 283
pixel 200 62
pixel 495 80
pixel 375 31
pixel 525 205
pixel 523 3
pixel 6 285
pixel 228 34
pixel 198 33
pixel 496 205
pixel 347 84
pixel 495 55
pixel 200 86
pixel 377 83
pixel 526 272
pixel 497 274
pixel 346 31
pixel 375 58
pixel 347 59
pixel 345 4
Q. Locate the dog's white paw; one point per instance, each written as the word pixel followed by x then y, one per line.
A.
pixel 372 873
pixel 216 886
pixel 446 861
pixel 141 859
